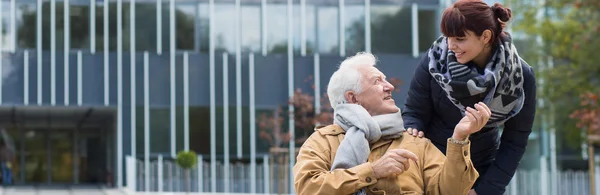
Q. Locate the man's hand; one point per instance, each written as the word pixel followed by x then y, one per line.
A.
pixel 415 132
pixel 474 120
pixel 393 163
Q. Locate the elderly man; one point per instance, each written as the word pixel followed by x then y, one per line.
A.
pixel 366 150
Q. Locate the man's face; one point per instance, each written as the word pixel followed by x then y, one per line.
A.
pixel 376 94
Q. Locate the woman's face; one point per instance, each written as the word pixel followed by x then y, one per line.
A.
pixel 468 47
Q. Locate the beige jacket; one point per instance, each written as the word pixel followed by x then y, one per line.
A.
pixel 432 174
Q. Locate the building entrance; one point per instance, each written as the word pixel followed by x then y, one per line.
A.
pixel 59 145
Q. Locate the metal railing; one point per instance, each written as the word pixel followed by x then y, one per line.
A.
pixel 273 178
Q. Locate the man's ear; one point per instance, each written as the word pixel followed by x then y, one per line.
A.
pixel 351 97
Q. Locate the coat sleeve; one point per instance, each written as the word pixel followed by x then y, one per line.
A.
pixel 454 174
pixel 418 106
pixel 312 174
pixel 513 142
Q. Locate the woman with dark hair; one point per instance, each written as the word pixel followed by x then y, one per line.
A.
pixel 475 61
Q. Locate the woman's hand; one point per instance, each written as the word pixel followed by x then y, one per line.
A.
pixel 473 121
pixel 415 132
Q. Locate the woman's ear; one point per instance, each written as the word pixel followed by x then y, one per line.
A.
pixel 486 36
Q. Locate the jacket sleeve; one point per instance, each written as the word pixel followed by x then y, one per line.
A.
pixel 312 174
pixel 513 142
pixel 418 106
pixel 451 175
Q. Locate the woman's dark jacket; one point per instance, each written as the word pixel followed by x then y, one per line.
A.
pixel 495 153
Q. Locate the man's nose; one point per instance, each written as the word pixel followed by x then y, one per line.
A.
pixel 387 86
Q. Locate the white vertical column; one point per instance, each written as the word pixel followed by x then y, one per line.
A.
pixel 132 78
pixel 238 77
pixel 159 27
pixel 160 173
pixel 514 184
pixel 79 78
pixel 120 93
pixel 264 26
pixel 53 52
pixel 597 175
pixel 47 138
pixel 252 92
pixel 368 26
pixel 213 127
pixel 13 24
pixel 290 54
pixel 93 26
pixel 303 27
pixel 553 160
pixel 106 44
pixel 226 121
pixel 172 58
pixel 266 174
pixel 197 27
pixel 342 30
pixel 1 50
pixel 146 124
pixel 76 156
pixel 67 30
pixel 39 51
pixel 25 75
pixel 543 177
pixel 317 76
pixel 415 29
pixel 186 101
pixel 200 174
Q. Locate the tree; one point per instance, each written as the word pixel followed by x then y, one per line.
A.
pixel 187 160
pixel 588 119
pixel 568 33
pixel 271 126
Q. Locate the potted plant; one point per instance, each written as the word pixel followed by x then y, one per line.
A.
pixel 187 160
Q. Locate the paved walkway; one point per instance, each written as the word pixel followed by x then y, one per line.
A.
pixel 65 190
pixel 31 190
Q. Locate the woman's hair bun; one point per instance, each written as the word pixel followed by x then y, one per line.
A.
pixel 501 12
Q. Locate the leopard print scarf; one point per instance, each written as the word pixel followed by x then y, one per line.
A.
pixel 500 86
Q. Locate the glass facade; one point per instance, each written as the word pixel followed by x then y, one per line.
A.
pixel 213 76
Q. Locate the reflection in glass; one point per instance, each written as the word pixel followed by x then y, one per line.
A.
pixel 160 132
pixel 200 129
pixel 35 167
pixel 276 26
pixel 80 26
pixel 201 40
pixel 139 129
pixel 310 23
pixel 61 149
pixel 26 28
pixel 428 28
pixel 185 13
pixel 250 23
pixel 146 24
pixel 354 22
pixel 225 28
pixel 327 28
pixel 391 29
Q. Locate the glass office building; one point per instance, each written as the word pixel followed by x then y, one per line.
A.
pixel 86 83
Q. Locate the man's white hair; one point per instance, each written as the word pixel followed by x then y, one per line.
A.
pixel 348 77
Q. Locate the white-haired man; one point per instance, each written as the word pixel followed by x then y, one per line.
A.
pixel 366 150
